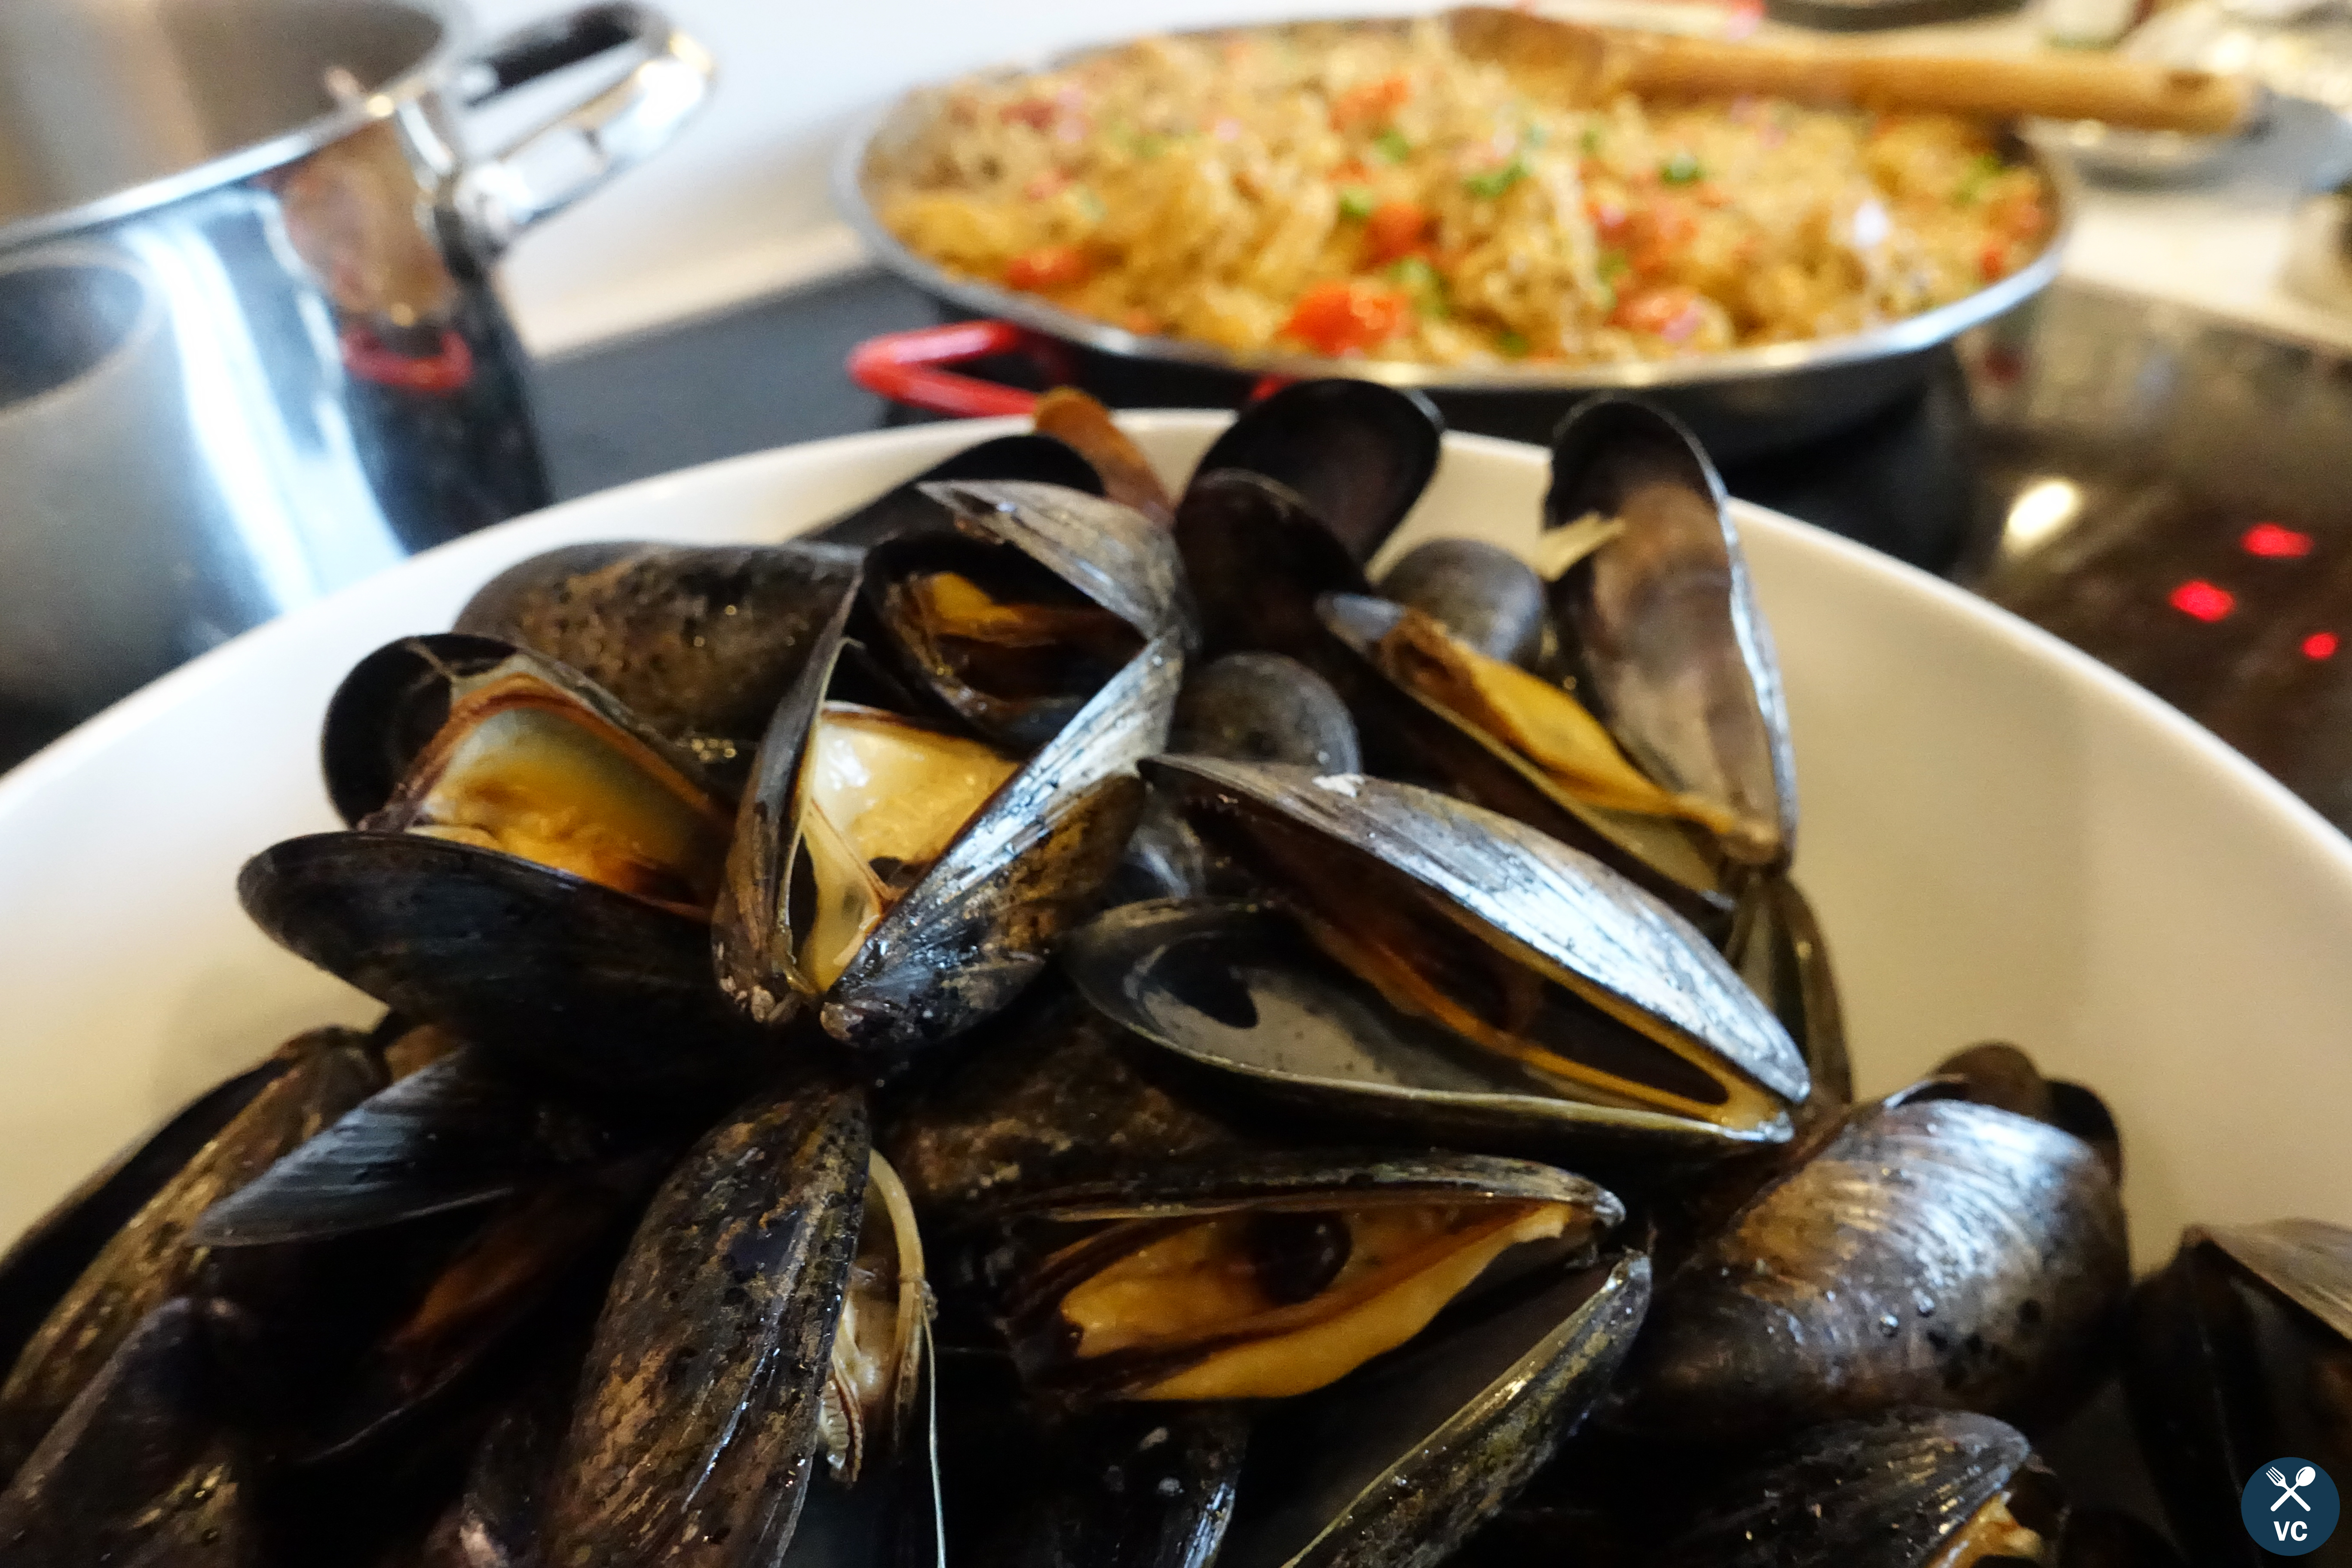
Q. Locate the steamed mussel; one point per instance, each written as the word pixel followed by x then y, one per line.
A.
pixel 1189 1046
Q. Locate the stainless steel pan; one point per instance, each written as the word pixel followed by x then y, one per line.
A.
pixel 1741 402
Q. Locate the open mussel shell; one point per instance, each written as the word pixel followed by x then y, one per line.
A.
pixel 146 1465
pixel 1013 621
pixel 1399 1466
pixel 1357 453
pixel 699 641
pixel 1238 989
pixel 1127 477
pixel 149 1261
pixel 1931 1253
pixel 1521 947
pixel 2236 1354
pixel 904 508
pixel 1913 1488
pixel 458 1132
pixel 51 1254
pixel 1782 953
pixel 917 963
pixel 1271 1276
pixel 1408 731
pixel 389 708
pixel 700 1406
pixel 1663 622
pixel 566 977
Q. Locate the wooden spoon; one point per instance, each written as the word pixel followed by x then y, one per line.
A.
pixel 1573 63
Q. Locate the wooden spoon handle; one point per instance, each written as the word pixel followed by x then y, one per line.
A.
pixel 2119 92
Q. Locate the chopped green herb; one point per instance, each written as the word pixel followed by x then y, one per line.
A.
pixel 1147 145
pixel 1682 169
pixel 1982 173
pixel 1492 183
pixel 1357 202
pixel 1612 266
pixel 1391 145
pixel 1513 345
pixel 1592 141
pixel 1090 204
pixel 1423 283
pixel 1534 136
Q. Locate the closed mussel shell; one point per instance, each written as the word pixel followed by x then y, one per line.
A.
pixel 1357 454
pixel 699 641
pixel 904 508
pixel 149 1261
pixel 700 1407
pixel 146 1465
pixel 2236 1354
pixel 1494 963
pixel 1931 1253
pixel 906 880
pixel 1911 1488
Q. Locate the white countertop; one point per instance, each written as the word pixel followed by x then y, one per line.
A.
pixel 738 209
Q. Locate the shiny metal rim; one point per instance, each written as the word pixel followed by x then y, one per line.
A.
pixel 455 35
pixel 1909 335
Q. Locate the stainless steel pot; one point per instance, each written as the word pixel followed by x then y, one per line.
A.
pixel 1741 402
pixel 250 347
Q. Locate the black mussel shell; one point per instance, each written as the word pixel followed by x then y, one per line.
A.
pixel 1399 1466
pixel 1265 707
pixel 1443 903
pixel 566 978
pixel 2236 1354
pixel 461 1131
pixel 1481 593
pixel 1932 1253
pixel 1238 989
pixel 975 928
pixel 698 1421
pixel 1111 554
pixel 1782 953
pixel 1408 735
pixel 699 641
pixel 1664 623
pixel 1357 453
pixel 149 1261
pixel 1998 1073
pixel 55 1249
pixel 1142 1486
pixel 1257 557
pixel 1048 1094
pixel 1898 1491
pixel 904 508
pixel 1297 1236
pixel 1068 415
pixel 2109 1538
pixel 389 708
pixel 146 1465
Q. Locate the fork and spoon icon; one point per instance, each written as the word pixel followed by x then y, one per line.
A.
pixel 2302 1478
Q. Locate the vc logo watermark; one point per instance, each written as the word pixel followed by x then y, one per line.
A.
pixel 2290 1507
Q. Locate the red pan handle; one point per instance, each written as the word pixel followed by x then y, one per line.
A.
pixel 900 367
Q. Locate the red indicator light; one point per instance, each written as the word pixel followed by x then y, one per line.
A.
pixel 2319 644
pixel 2203 600
pixel 2272 543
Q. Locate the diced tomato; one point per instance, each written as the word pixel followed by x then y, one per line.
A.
pixel 1140 322
pixel 1035 112
pixel 1047 186
pixel 1993 260
pixel 1048 269
pixel 1658 231
pixel 1348 315
pixel 1608 217
pixel 1395 228
pixel 1669 310
pixel 1351 173
pixel 1707 194
pixel 1370 103
pixel 2019 218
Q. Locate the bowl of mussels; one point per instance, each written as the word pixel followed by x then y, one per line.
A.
pixel 1178 991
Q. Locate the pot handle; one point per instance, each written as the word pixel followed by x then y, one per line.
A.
pixel 550 167
pixel 902 367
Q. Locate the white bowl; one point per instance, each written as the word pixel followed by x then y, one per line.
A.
pixel 2004 840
